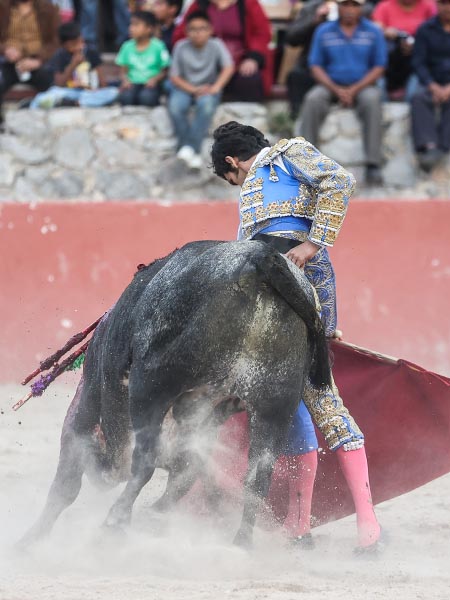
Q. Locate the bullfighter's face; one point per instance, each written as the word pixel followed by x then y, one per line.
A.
pixel 238 171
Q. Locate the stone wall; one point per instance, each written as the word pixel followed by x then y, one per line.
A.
pixel 129 153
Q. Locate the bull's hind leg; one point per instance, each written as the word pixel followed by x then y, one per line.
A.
pixel 147 426
pixel 79 423
pixel 268 433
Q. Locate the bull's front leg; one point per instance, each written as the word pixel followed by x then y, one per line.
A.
pixel 76 445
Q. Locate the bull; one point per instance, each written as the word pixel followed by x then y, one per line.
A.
pixel 211 328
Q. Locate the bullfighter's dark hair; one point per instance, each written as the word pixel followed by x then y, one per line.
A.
pixel 146 17
pixel 68 32
pixel 236 140
pixel 197 14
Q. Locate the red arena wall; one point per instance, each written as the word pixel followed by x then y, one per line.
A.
pixel 64 264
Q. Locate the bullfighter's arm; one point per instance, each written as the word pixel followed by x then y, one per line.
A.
pixel 332 185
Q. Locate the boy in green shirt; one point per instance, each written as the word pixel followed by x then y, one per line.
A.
pixel 144 60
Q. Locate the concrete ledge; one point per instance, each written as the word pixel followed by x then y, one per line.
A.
pixel 129 154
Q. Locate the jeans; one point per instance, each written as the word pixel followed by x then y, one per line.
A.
pixel 86 98
pixel 139 95
pixel 191 132
pixel 89 21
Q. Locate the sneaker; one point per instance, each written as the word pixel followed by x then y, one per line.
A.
pixel 429 158
pixel 185 153
pixel 373 175
pixel 195 162
pixel 46 103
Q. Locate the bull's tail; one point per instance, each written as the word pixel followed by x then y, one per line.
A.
pixel 274 270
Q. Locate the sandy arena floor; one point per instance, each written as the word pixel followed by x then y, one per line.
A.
pixel 192 558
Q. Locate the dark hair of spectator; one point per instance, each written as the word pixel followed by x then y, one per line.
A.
pixel 146 17
pixel 236 140
pixel 68 32
pixel 197 14
pixel 177 3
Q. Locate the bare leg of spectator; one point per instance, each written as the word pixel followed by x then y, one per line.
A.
pixel 316 106
pixel 369 109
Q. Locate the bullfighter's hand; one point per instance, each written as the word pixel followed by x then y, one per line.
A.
pixel 300 254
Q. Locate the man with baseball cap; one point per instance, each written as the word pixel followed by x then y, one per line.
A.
pixel 346 59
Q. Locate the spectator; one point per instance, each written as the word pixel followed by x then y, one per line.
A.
pixel 347 58
pixel 166 12
pixel 28 37
pixel 431 62
pixel 66 10
pixel 300 33
pixel 89 21
pixel 77 74
pixel 201 67
pixel 399 20
pixel 144 60
pixel 246 31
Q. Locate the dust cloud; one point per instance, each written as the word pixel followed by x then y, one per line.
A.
pixel 183 555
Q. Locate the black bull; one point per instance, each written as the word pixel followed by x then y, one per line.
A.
pixel 211 324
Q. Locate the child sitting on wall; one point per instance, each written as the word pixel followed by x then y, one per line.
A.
pixel 201 67
pixel 77 74
pixel 144 60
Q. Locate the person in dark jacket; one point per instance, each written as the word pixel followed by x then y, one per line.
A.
pixel 166 13
pixel 246 31
pixel 28 38
pixel 431 62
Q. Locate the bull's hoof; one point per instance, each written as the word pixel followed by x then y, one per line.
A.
pixel 303 542
pixel 243 540
pixel 33 536
pixel 116 531
pixel 163 505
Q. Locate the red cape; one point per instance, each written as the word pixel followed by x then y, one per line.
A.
pixel 404 412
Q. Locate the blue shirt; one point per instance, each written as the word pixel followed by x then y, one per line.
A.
pixel 347 60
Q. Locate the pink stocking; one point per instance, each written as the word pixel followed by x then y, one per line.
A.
pixel 353 464
pixel 301 471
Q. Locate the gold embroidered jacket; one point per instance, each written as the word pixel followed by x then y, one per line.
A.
pixel 321 190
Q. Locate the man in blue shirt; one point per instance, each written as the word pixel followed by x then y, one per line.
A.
pixel 347 57
pixel 431 62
